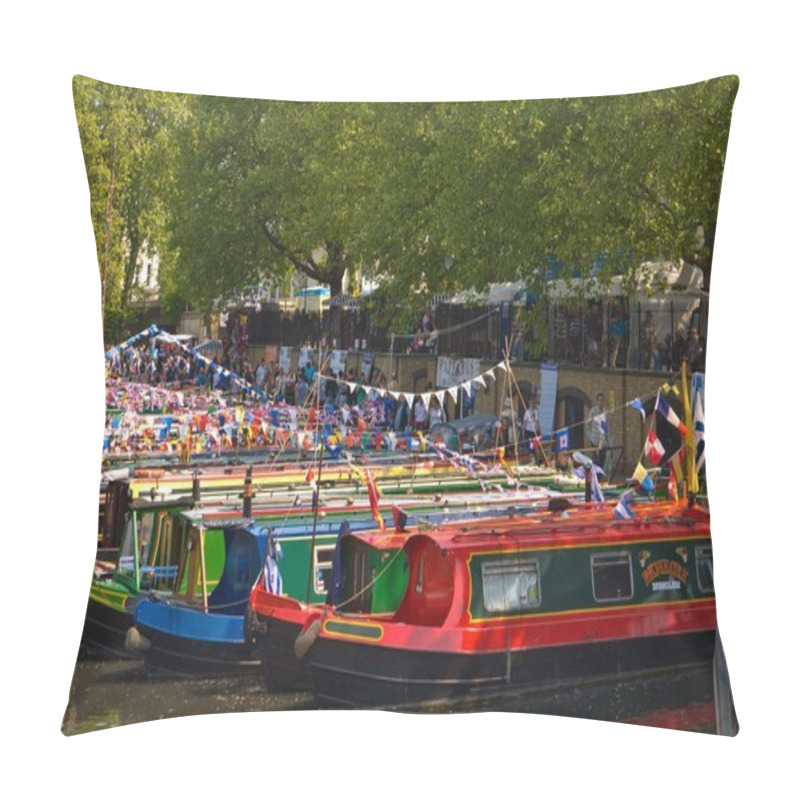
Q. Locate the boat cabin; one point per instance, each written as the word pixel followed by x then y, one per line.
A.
pixel 524 568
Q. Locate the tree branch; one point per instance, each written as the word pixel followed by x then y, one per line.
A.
pixel 305 265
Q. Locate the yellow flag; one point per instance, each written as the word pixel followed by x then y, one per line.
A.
pixel 692 484
pixel 675 463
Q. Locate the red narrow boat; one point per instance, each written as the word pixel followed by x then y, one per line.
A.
pixel 537 602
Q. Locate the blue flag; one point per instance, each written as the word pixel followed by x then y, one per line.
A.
pixel 623 509
pixel 637 404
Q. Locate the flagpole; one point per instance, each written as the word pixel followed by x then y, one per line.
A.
pixel 691 470
pixel 315 493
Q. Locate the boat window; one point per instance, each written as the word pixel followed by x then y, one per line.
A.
pixel 705 568
pixel 323 568
pixel 511 585
pixel 612 578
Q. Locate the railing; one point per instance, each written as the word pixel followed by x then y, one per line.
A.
pixel 650 335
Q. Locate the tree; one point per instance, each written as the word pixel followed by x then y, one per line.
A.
pixel 127 140
pixel 436 197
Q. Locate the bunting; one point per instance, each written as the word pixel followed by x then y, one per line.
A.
pixel 637 404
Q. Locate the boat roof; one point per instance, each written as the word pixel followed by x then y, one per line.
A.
pixel 582 525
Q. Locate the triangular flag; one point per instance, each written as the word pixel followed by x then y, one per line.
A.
pixel 426 399
pixel 502 366
pixel 440 396
pixel 479 380
pixel 490 373
pixel 453 392
pixel 637 404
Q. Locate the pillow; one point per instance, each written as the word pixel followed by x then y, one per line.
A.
pixel 404 406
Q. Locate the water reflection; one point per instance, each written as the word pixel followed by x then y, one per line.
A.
pixel 109 693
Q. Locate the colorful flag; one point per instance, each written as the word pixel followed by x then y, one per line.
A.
pixel 597 492
pixel 374 494
pixel 637 404
pixel 562 439
pixel 653 448
pixel 643 479
pixel 623 508
pixel 699 432
pixel 665 409
pixel 676 466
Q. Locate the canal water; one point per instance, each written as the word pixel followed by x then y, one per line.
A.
pixel 108 693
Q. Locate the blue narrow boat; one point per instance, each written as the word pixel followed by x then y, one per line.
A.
pixel 192 630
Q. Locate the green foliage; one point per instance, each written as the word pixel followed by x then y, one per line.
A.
pixel 128 147
pixel 424 197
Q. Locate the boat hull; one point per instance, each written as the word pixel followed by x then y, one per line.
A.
pixel 105 628
pixel 273 642
pixel 360 675
pixel 188 641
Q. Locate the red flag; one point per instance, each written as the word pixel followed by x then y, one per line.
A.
pixel 672 486
pixel 374 494
pixel 653 448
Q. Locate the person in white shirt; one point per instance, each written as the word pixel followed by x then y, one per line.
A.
pixel 530 422
pixel 420 415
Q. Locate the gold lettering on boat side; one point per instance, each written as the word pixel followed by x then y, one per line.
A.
pixel 667 567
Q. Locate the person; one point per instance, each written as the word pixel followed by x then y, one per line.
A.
pixel 261 375
pixel 530 422
pixel 420 415
pixel 648 341
pixel 435 415
pixel 597 430
pixel 616 333
pixel 694 351
pixel 301 390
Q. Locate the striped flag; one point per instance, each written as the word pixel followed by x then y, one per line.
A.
pixel 699 431
pixel 666 411
pixel 597 492
pixel 623 508
pixel 653 448
pixel 643 479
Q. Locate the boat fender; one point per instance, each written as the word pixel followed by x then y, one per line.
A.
pixel 306 638
pixel 135 642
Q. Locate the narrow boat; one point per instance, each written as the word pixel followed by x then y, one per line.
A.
pixel 536 602
pixel 195 629
pixel 147 560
